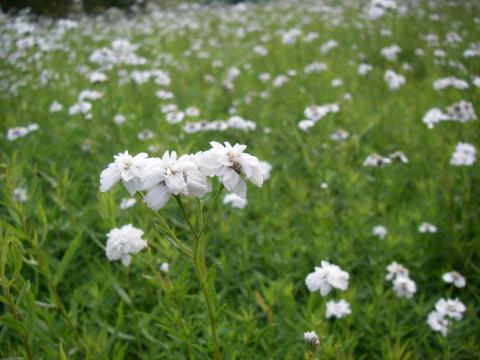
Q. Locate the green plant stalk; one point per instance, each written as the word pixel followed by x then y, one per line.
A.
pixel 200 266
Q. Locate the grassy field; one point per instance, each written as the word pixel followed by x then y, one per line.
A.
pixel 62 298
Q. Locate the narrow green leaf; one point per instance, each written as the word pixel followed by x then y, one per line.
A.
pixel 67 257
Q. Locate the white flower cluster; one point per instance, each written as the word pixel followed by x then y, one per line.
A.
pixel 124 241
pixel 162 178
pixel 461 111
pixel 451 81
pixel 21 131
pixel 314 113
pixel 464 155
pixel 438 319
pixel 379 231
pixel 394 80
pixel 390 53
pixel 378 8
pixel 427 228
pixel 315 67
pixel 120 52
pixel 455 278
pixel 235 122
pixel 323 279
pixel 403 286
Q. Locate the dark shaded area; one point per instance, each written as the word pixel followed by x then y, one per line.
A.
pixel 58 8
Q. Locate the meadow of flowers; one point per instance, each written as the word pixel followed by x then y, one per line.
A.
pixel 282 180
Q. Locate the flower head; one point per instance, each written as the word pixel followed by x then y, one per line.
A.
pixel 454 277
pixel 326 277
pixel 121 242
pixel 338 309
pixel 452 308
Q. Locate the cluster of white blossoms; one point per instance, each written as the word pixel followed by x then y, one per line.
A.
pixel 390 53
pixel 124 241
pixel 464 155
pixel 455 278
pixel 121 51
pixel 445 310
pixel 450 81
pixel 21 131
pixel 461 111
pixel 379 231
pixel 403 286
pixel 235 122
pixel 324 279
pixel 376 160
pixel 425 228
pixel 394 80
pixel 314 113
pixel 162 178
pixel 20 194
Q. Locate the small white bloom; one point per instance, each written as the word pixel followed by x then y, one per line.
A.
pixel 119 119
pixel 326 277
pixel 129 169
pixel 464 155
pixel 175 117
pixel 235 201
pixel 427 228
pixel 127 203
pixel 338 309
pixel 405 287
pixel 121 242
pixel 380 231
pixel 454 277
pixel 438 322
pixel 55 107
pixel 20 194
pixel 452 308
pixel 311 340
pixel 229 163
pixel 376 160
pixel 395 270
pixel 165 267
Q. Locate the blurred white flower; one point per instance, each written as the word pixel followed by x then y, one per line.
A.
pixel 380 231
pixel 165 267
pixel 234 201
pixel 55 107
pixel 311 340
pixel 464 155
pixel 127 203
pixel 20 194
pixel 437 322
pixel 427 228
pixel 452 308
pixel 326 277
pixel 462 111
pixel 119 119
pixel 405 287
pixel 376 160
pixel 454 277
pixel 338 309
pixel 434 116
pixel 394 80
pixel 396 270
pixel 121 242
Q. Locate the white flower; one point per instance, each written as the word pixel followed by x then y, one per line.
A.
pixel 129 169
pixel 96 77
pixel 16 132
pixel 462 111
pixel 175 117
pixel 438 322
pixel 427 228
pixel 338 309
pixel 454 277
pixel 326 277
pixel 265 169
pixel 145 135
pixel 311 340
pixel 235 201
pixel 19 194
pixel 339 135
pixel 452 308
pixel 399 155
pixel 394 80
pixel 229 163
pixel 380 231
pixel 433 116
pixel 127 203
pixel 464 155
pixel 171 176
pixel 395 270
pixel 390 53
pixel 376 160
pixel 441 84
pixel 55 107
pixel 165 267
pixel 119 119
pixel 364 69
pixel 164 95
pixel 405 287
pixel 121 242
pixel 81 107
pixel 192 111
pixel 306 124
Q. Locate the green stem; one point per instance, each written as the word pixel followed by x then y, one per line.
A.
pixel 212 206
pixel 185 215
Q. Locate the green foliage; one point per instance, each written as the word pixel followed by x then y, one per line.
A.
pixel 61 298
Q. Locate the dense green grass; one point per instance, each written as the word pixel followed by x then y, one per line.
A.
pixel 66 300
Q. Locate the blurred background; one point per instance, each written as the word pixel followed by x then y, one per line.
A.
pixel 61 8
